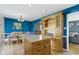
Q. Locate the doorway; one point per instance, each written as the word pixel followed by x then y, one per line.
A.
pixel 73 33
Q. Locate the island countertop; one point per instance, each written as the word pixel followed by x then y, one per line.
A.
pixel 34 38
pixel 38 39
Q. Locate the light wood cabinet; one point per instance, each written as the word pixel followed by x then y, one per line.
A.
pixel 41 47
pixel 57 46
pixel 54 24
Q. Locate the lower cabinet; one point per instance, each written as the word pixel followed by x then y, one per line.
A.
pixel 42 47
pixel 57 46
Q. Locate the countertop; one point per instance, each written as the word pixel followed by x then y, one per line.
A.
pixel 34 38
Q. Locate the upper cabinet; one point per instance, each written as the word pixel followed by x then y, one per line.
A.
pixel 53 25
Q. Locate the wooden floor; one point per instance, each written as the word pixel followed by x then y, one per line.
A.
pixel 19 50
pixel 74 48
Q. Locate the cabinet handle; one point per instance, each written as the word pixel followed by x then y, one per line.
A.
pixel 38 44
pixel 39 50
pixel 45 47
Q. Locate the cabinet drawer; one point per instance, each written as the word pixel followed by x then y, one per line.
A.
pixel 47 41
pixel 37 45
pixel 46 48
pixel 38 52
pixel 46 51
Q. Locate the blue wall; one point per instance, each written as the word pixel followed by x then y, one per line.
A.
pixel 72 9
pixel 8 25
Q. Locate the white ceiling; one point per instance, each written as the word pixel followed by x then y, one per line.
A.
pixel 73 16
pixel 31 12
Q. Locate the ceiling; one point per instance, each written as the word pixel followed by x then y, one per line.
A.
pixel 73 16
pixel 31 12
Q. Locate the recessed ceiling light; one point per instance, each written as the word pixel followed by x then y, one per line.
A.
pixel 29 5
pixel 43 11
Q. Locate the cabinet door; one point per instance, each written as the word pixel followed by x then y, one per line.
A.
pixel 53 25
pixel 59 32
pixel 59 26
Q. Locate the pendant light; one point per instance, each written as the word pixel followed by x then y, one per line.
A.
pixel 20 18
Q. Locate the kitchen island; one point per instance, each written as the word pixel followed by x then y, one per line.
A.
pixel 40 46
